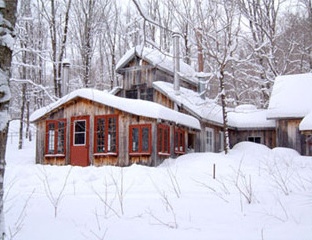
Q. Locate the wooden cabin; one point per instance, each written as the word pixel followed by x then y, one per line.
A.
pixel 290 103
pixel 92 127
pixel 141 66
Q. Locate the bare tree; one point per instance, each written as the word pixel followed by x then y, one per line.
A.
pixel 7 22
pixel 24 26
pixel 84 27
pixel 109 32
pixel 57 19
pixel 219 22
pixel 262 19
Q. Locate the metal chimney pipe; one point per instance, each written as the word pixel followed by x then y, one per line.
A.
pixel 200 57
pixel 176 60
pixel 66 65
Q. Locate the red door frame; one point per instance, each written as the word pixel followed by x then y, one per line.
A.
pixel 79 153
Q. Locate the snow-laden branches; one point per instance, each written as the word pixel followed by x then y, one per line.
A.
pixel 148 19
pixel 39 86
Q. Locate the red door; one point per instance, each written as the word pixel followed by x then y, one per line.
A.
pixel 79 147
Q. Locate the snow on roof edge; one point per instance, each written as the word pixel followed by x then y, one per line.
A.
pixel 211 112
pixel 133 106
pixel 306 123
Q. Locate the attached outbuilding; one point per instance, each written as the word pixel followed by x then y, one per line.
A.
pixel 290 105
pixel 92 127
pixel 245 122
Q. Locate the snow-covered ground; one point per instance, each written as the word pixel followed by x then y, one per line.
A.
pixel 257 193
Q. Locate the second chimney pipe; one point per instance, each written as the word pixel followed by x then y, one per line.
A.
pixel 200 57
pixel 176 65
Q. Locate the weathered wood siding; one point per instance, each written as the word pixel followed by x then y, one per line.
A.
pixel 82 107
pixel 288 135
pixel 268 136
pixel 138 72
pixel 163 100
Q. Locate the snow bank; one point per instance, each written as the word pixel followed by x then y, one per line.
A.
pixel 177 200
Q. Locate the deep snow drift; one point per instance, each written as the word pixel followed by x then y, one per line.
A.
pixel 258 193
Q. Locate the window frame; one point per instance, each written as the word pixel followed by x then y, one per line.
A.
pixel 106 135
pixel 76 132
pixel 179 141
pixel 253 139
pixel 209 139
pixel 56 138
pixel 162 143
pixel 140 150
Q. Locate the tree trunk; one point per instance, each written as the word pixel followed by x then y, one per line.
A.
pixel 7 12
pixel 224 113
pixel 20 141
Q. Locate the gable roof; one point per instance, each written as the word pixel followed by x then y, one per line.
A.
pixel 291 96
pixel 242 117
pixel 161 60
pixel 133 106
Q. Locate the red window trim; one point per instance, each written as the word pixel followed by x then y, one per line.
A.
pixel 140 151
pixel 55 122
pixel 161 139
pixel 106 117
pixel 180 142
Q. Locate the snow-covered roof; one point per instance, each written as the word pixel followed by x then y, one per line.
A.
pixel 161 60
pixel 242 117
pixel 291 96
pixel 133 106
pixel 306 123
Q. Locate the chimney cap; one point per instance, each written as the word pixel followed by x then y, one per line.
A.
pixel 202 75
pixel 65 62
pixel 2 4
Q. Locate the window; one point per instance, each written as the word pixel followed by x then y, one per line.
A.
pixel 163 139
pixel 179 141
pixel 105 137
pixel 133 94
pixel 221 137
pixel 140 139
pixel 254 139
pixel 79 132
pixel 55 136
pixel 209 135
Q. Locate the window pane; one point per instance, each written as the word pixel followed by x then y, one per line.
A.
pixel 135 139
pixel 166 141
pixel 160 139
pixel 100 135
pixel 176 141
pixel 112 135
pixel 145 139
pixel 61 138
pixel 51 138
pixel 80 134
pixel 80 126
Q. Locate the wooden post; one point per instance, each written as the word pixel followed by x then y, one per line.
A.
pixel 214 171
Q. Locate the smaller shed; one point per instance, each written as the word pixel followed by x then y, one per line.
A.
pixel 92 127
pixel 290 103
